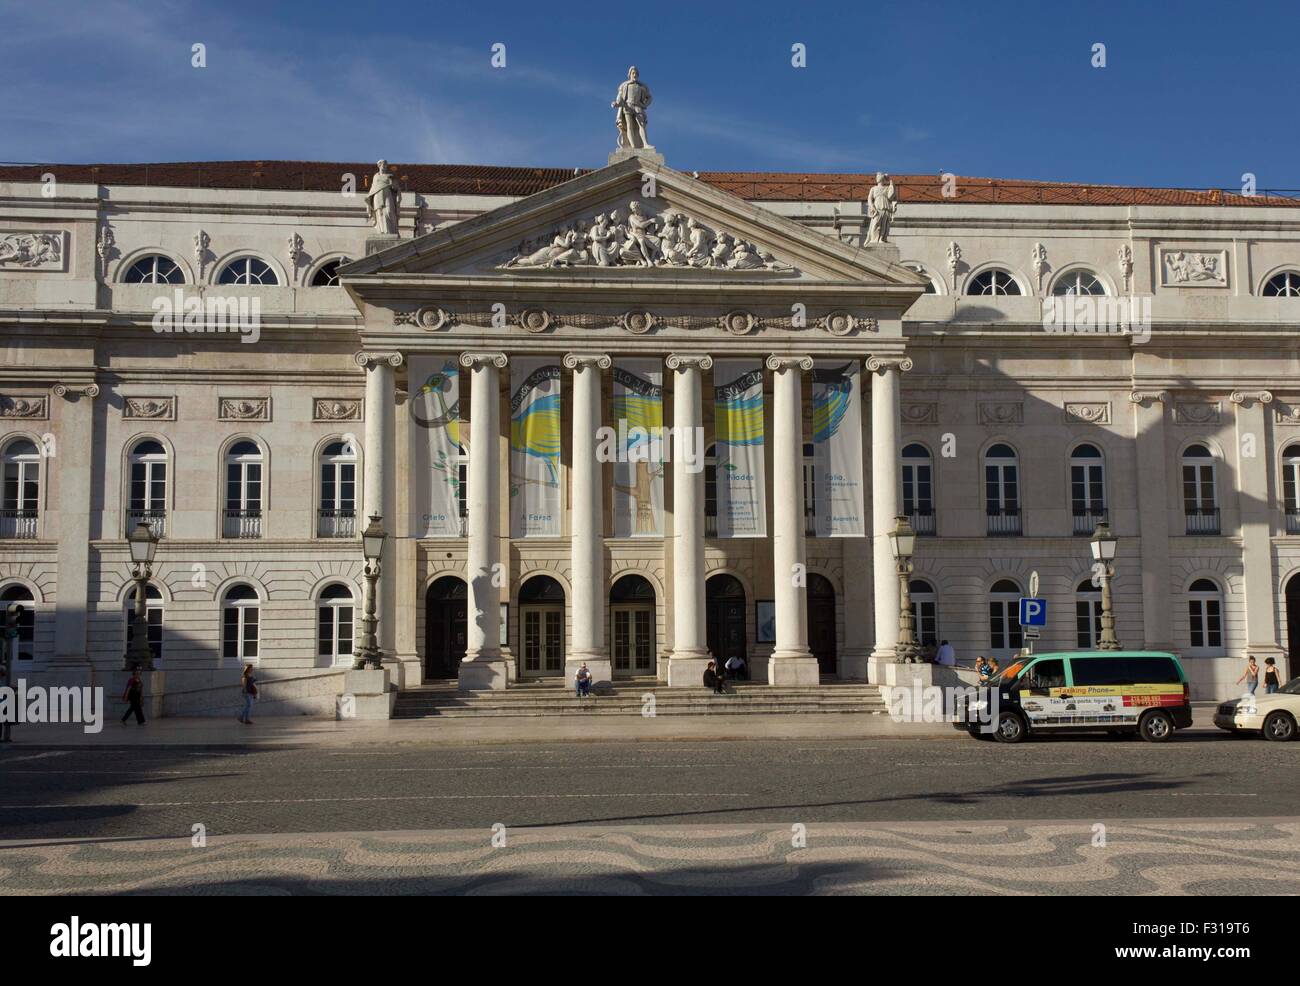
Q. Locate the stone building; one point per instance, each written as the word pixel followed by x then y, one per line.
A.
pixel 1158 391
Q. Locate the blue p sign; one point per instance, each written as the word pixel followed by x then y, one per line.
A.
pixel 1033 612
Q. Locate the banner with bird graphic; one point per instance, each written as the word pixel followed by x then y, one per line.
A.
pixel 638 413
pixel 738 436
pixel 837 448
pixel 535 447
pixel 439 447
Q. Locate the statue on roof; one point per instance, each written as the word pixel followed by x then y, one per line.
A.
pixel 384 201
pixel 630 104
pixel 882 203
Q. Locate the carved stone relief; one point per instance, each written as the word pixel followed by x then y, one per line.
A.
pixel 149 408
pixel 35 250
pixel 244 409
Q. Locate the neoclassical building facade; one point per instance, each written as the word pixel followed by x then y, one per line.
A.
pixel 752 315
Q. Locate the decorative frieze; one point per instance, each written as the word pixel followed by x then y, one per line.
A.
pixel 1093 412
pixel 1288 415
pixel 34 250
pixel 1001 412
pixel 244 409
pixel 336 409
pixel 149 408
pixel 920 412
pixel 34 408
pixel 1189 268
pixel 637 321
pixel 1197 412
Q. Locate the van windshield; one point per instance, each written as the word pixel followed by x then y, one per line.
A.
pixel 1008 674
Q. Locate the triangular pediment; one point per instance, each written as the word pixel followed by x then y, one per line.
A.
pixel 639 220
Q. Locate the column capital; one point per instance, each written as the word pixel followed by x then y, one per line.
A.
pixel 70 390
pixel 364 359
pixel 882 364
pixel 475 360
pixel 778 363
pixel 698 361
pixel 1258 396
pixel 1154 396
pixel 600 361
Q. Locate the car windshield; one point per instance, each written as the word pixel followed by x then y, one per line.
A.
pixel 1292 687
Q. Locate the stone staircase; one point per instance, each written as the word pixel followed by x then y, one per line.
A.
pixel 442 700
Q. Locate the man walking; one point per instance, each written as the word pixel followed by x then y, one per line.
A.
pixel 134 697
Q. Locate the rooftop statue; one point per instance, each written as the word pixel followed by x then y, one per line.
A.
pixel 630 104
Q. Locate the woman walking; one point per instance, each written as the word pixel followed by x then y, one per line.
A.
pixel 1272 682
pixel 248 686
pixel 1251 675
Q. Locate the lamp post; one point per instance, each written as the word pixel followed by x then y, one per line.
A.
pixel 902 542
pixel 143 544
pixel 372 547
pixel 1103 545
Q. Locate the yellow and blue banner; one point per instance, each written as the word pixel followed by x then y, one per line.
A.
pixel 738 434
pixel 438 446
pixel 535 435
pixel 837 448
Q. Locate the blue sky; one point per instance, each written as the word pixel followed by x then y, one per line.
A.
pixel 1192 94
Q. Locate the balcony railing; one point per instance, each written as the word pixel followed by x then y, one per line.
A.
pixel 243 524
pixel 19 524
pixel 155 520
pixel 1003 521
pixel 922 522
pixel 1293 520
pixel 1202 520
pixel 336 523
pixel 1086 521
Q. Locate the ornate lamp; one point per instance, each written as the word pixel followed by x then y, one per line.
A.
pixel 1103 545
pixel 372 548
pixel 902 542
pixel 143 544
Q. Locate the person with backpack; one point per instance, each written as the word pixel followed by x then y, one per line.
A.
pixel 134 697
pixel 248 686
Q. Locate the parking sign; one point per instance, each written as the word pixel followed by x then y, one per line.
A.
pixel 1033 612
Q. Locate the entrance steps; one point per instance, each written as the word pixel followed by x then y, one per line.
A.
pixel 442 700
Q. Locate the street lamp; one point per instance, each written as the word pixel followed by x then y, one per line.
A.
pixel 143 544
pixel 372 547
pixel 902 542
pixel 1103 545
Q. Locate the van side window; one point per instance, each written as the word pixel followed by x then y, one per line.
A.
pixel 1046 674
pixel 1102 671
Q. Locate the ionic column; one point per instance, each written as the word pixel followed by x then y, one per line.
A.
pixel 587 523
pixel 379 489
pixel 885 488
pixel 73 455
pixel 791 662
pixel 483 666
pixel 690 651
pixel 1153 516
pixel 1256 525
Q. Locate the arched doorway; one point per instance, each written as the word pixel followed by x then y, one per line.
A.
pixel 444 627
pixel 821 622
pixel 632 627
pixel 1292 627
pixel 541 614
pixel 724 605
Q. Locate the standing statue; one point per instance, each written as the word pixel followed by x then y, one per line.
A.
pixel 630 104
pixel 383 201
pixel 882 203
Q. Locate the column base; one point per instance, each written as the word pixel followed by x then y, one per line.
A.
pixel 366 695
pixel 792 668
pixel 600 666
pixel 483 674
pixel 686 668
pixel 853 665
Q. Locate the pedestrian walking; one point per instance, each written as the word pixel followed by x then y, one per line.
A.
pixel 945 655
pixel 1272 681
pixel 134 697
pixel 582 682
pixel 1251 675
pixel 248 687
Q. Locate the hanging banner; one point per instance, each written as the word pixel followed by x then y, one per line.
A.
pixel 534 448
pixel 437 441
pixel 738 434
pixel 837 448
pixel 638 412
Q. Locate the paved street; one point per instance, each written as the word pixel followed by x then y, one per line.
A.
pixel 1206 814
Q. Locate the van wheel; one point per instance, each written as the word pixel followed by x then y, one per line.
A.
pixel 1279 726
pixel 1156 727
pixel 1011 728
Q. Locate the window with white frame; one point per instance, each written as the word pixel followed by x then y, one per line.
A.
pixel 994 281
pixel 327 274
pixel 22 488
pixel 243 512
pixel 1075 282
pixel 918 487
pixel 247 270
pixel 239 623
pixel 1087 615
pixel 1004 618
pixel 147 492
pixel 1285 284
pixel 337 513
pixel 1291 487
pixel 1087 488
pixel 334 621
pixel 1205 618
pixel 1002 489
pixel 153 614
pixel 154 269
pixel 1200 496
pixel 22 647
pixel 925 611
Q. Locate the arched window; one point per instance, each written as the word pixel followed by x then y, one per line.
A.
pixel 243 514
pixel 1087 615
pixel 147 495
pixel 809 489
pixel 24 645
pixel 336 517
pixel 1002 490
pixel 155 269
pixel 925 612
pixel 1087 488
pixel 1200 497
pixel 994 281
pixel 239 610
pixel 334 624
pixel 1285 284
pixel 1004 618
pixel 153 612
pixel 1078 281
pixel 918 488
pixel 247 270
pixel 327 274
pixel 930 286
pixel 22 488
pixel 711 491
pixel 1205 618
pixel 1291 487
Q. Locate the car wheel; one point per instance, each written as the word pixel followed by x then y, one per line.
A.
pixel 1279 726
pixel 1011 728
pixel 1156 727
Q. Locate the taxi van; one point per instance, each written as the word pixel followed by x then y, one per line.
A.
pixel 1143 692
